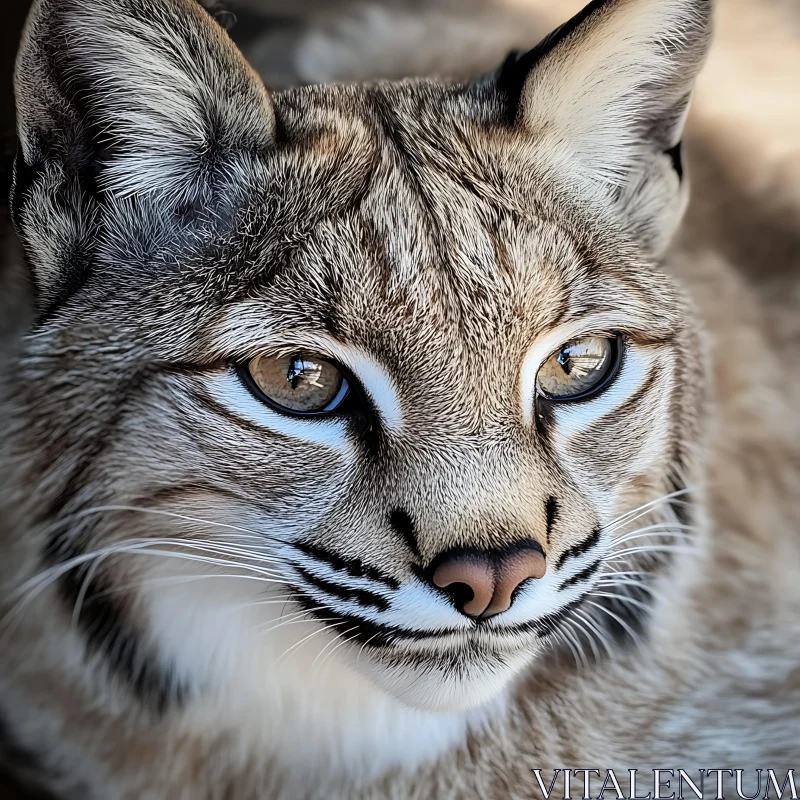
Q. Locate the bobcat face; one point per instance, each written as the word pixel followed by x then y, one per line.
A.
pixel 380 374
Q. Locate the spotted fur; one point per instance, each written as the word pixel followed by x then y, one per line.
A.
pixel 202 597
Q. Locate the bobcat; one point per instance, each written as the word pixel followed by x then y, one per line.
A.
pixel 386 440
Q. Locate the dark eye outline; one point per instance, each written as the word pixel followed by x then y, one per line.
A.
pixel 340 403
pixel 614 365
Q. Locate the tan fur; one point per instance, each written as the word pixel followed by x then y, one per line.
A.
pixel 442 250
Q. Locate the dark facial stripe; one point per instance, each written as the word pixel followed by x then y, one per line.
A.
pixel 220 410
pixel 551 513
pixel 404 526
pixel 103 619
pixel 352 566
pixel 105 624
pixel 379 635
pixel 346 593
pixel 579 549
pixel 583 575
pixel 127 393
pixel 674 155
pixel 629 406
pixel 355 628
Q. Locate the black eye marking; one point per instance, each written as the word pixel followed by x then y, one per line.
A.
pixel 579 549
pixel 551 511
pixel 404 525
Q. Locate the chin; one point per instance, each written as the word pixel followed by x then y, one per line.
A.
pixel 447 681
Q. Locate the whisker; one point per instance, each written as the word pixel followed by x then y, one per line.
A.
pixel 637 584
pixel 652 532
pixel 123 547
pixel 646 508
pixel 568 631
pixel 598 631
pixel 343 636
pixel 296 616
pixel 33 587
pixel 586 632
pixel 85 583
pixel 614 571
pixel 271 625
pixel 561 638
pixel 365 644
pixel 619 554
pixel 623 598
pixel 313 633
pixel 172 514
pixel 619 620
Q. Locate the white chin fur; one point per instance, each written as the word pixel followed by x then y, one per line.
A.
pixel 313 702
pixel 433 689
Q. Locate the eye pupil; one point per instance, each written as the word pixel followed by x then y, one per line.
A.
pixel 291 375
pixel 565 360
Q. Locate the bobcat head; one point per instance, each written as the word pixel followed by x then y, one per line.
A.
pixel 383 375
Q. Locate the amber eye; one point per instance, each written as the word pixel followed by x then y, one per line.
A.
pixel 297 384
pixel 580 368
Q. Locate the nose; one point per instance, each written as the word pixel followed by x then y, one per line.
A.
pixel 481 583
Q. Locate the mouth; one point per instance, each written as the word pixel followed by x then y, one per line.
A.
pixel 482 634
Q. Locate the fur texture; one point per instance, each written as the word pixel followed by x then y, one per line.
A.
pixel 203 597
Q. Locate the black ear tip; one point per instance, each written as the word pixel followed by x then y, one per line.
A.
pixel 518 65
pixel 676 157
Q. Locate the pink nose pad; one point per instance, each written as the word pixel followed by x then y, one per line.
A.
pixel 491 581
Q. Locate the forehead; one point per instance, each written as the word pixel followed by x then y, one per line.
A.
pixel 427 211
pixel 402 218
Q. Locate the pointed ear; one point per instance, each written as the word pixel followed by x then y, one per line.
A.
pixel 606 97
pixel 123 101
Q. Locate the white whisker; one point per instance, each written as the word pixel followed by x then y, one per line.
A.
pixel 587 632
pixel 313 633
pixel 597 630
pixel 621 597
pixel 619 620
pixel 644 509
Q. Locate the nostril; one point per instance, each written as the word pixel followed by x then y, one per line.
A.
pixel 474 578
pixel 460 594
pixel 515 570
